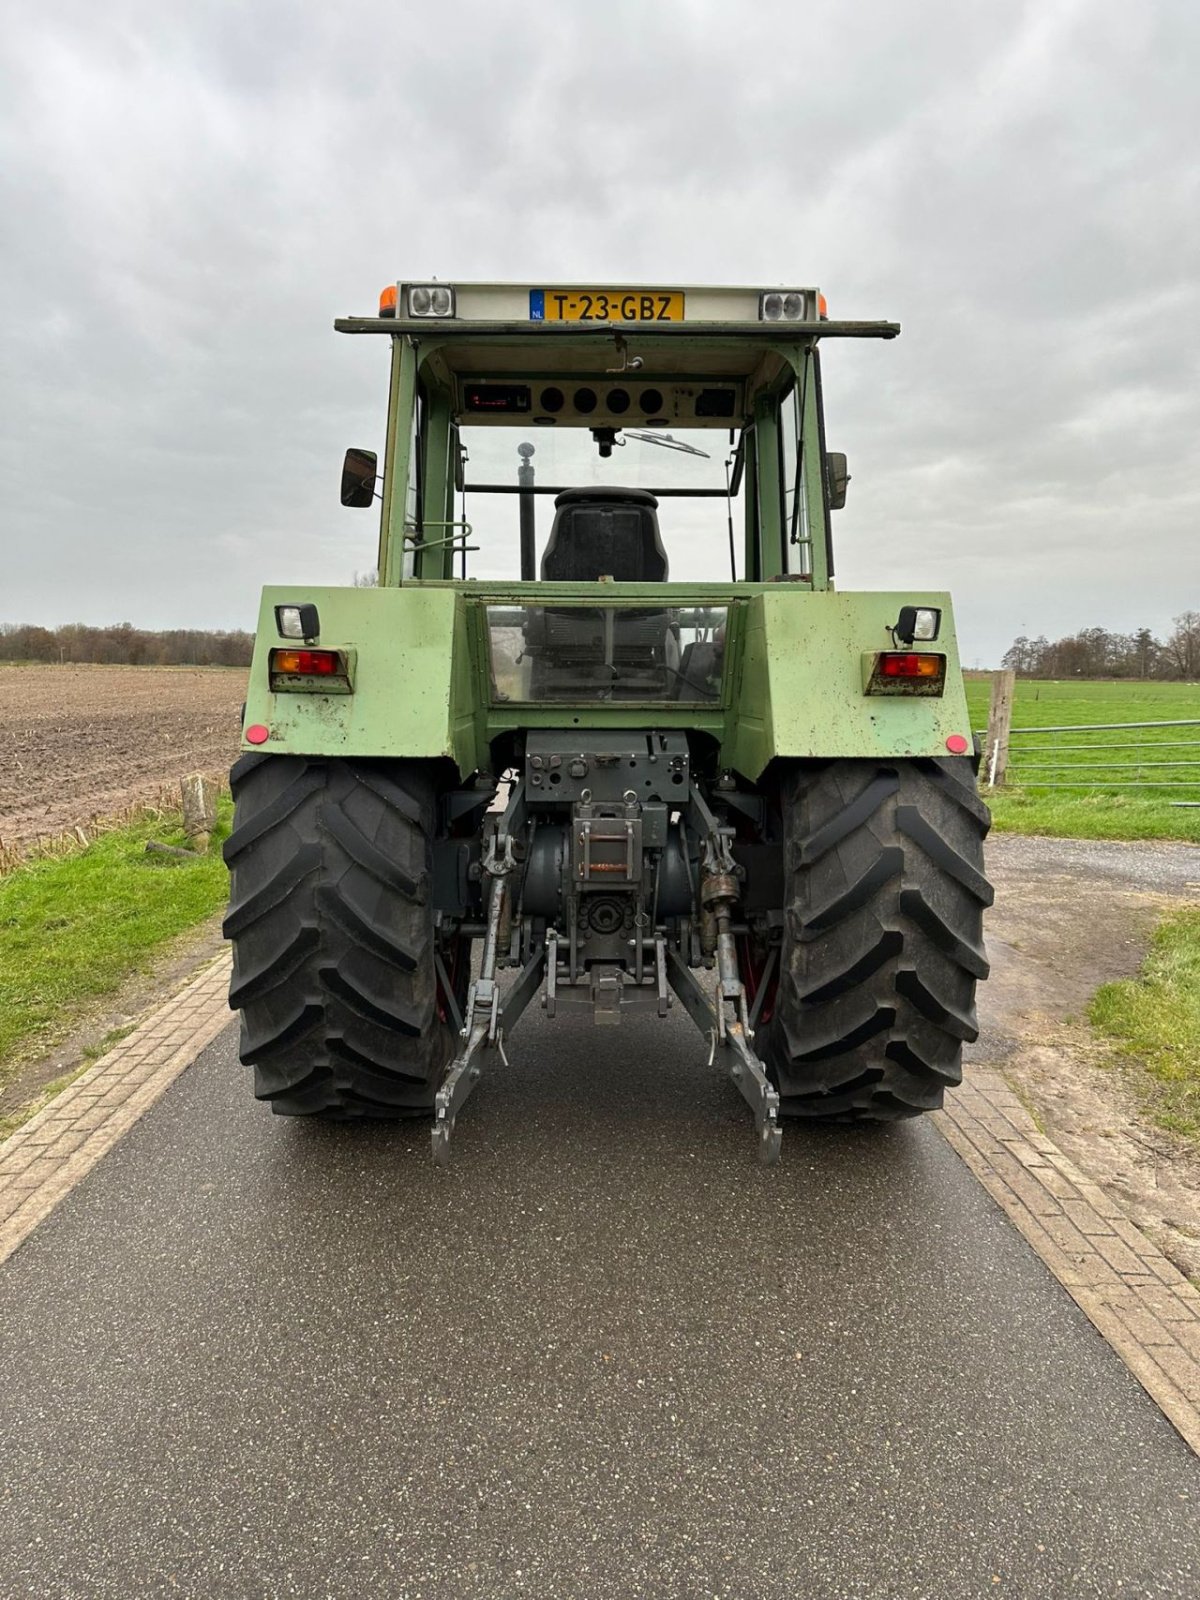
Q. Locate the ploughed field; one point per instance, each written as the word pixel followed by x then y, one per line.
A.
pixel 84 741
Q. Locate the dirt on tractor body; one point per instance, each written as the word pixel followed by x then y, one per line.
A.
pixel 78 742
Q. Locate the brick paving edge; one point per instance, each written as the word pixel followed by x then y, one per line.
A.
pixel 1140 1303
pixel 56 1149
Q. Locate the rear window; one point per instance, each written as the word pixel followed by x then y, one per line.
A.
pixel 606 653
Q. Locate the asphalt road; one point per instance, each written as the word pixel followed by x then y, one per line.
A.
pixel 604 1355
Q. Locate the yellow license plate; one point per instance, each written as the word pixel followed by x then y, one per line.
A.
pixel 605 305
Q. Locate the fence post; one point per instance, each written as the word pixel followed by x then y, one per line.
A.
pixel 199 795
pixel 995 755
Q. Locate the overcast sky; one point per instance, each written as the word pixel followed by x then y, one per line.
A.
pixel 191 191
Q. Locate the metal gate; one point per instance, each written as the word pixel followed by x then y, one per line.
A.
pixel 1096 763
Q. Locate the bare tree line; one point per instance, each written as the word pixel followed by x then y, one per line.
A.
pixel 1097 653
pixel 124 645
pixel 1090 653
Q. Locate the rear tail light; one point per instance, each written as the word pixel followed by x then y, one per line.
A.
pixel 326 671
pixel 309 663
pixel 904 672
pixel 906 664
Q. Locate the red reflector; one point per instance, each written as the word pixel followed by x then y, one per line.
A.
pixel 305 663
pixel 905 664
pixel 257 734
pixel 956 744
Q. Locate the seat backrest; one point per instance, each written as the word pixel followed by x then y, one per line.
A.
pixel 601 533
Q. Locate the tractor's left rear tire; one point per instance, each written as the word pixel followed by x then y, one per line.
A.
pixel 331 921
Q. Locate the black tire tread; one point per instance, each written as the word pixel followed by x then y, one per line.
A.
pixel 883 940
pixel 332 934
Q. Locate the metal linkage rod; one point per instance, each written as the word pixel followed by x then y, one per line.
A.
pixel 484 1023
pixel 719 893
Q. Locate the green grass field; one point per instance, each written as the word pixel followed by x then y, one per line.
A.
pixel 1155 1018
pixel 1100 805
pixel 73 928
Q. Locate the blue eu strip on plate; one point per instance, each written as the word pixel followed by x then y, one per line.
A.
pixel 537 305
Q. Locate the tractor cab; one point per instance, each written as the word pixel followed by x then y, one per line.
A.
pixel 699 409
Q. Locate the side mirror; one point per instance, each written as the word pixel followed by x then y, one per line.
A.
pixel 837 478
pixel 358 477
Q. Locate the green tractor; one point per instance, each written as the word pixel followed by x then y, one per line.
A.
pixel 749 794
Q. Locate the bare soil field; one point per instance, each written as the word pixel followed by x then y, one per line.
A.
pixel 78 742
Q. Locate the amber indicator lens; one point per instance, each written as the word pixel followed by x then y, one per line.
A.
pixel 305 663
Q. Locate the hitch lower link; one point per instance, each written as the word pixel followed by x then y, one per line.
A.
pixel 734 1032
pixel 719 892
pixel 729 1024
pixel 482 1021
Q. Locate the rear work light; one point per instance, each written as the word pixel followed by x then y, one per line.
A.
pixel 298 622
pixel 904 672
pixel 784 305
pixel 917 625
pixel 429 299
pixel 319 671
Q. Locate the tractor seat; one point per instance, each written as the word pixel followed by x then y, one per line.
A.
pixel 600 533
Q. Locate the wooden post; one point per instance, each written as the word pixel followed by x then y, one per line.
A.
pixel 995 754
pixel 199 809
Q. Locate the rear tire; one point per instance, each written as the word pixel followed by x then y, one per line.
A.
pixel 331 921
pixel 883 937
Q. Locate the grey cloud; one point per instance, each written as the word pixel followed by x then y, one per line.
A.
pixel 191 193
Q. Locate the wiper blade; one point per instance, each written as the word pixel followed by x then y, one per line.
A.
pixel 668 443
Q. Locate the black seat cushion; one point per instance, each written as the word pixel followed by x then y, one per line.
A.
pixel 601 533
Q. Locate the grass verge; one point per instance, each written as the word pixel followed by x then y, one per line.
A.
pixel 1089 816
pixel 73 929
pixel 1155 1020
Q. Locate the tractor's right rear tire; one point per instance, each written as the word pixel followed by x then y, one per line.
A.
pixel 331 921
pixel 883 937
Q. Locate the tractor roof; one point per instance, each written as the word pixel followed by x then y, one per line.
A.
pixel 574 312
pixel 603 357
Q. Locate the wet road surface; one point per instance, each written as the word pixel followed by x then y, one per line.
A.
pixel 604 1355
